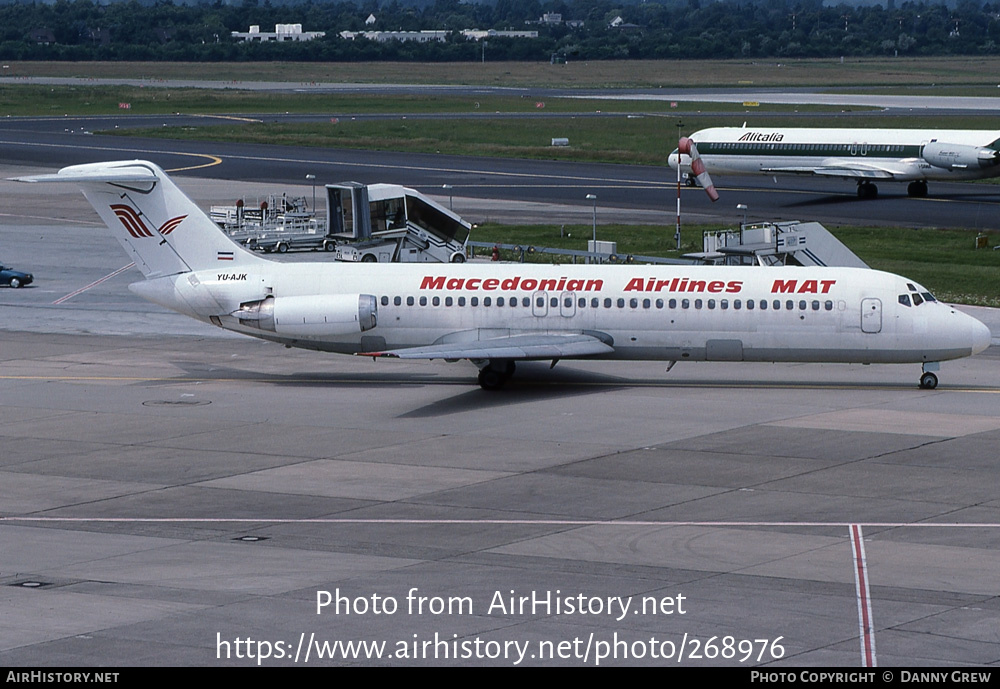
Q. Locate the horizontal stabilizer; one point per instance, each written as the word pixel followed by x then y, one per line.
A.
pixel 97 173
pixel 515 347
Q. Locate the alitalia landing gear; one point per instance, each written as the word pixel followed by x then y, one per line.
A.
pixel 867 190
pixel 495 373
pixel 917 189
pixel 929 381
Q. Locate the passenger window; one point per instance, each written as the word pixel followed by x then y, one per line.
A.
pixel 659 303
pixel 711 303
pixel 776 304
pixel 634 303
pixel 581 303
pixel 436 301
pixel 815 305
pixel 749 304
pixel 525 302
pixel 385 301
pixel 672 303
pixel 397 301
pixel 607 303
pixel 789 305
pixel 461 301
pixel 685 303
pixel 499 301
pixel 448 301
pixel 554 302
pixel 737 304
pixel 474 301
pixel 409 301
pixel 724 304
pixel 621 303
pixel 697 303
pixel 487 301
pixel 594 303
pixel 646 303
pixel 423 301
pixel 802 305
pixel 828 305
pixel 540 302
pixel 568 302
pixel 763 304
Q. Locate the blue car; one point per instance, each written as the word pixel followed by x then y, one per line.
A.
pixel 14 278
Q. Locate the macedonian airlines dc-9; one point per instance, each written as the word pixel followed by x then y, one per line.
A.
pixel 497 314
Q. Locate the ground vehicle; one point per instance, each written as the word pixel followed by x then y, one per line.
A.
pixel 15 278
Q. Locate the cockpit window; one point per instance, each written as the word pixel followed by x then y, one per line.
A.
pixel 909 286
pixel 928 296
pixel 917 300
pixel 904 299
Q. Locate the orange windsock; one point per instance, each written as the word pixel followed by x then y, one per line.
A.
pixel 686 146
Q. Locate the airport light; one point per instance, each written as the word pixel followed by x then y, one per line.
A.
pixel 742 207
pixel 447 188
pixel 312 178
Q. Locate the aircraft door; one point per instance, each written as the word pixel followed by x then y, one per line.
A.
pixel 871 315
pixel 567 304
pixel 540 304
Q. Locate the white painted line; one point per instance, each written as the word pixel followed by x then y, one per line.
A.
pixel 95 283
pixel 865 624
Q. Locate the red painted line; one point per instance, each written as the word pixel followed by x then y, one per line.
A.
pixel 95 283
pixel 867 631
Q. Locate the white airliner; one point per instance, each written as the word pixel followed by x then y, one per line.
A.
pixel 862 155
pixel 494 314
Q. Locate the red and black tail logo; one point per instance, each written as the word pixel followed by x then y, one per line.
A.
pixel 169 226
pixel 135 226
pixel 131 220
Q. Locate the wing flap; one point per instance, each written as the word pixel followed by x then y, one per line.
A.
pixel 515 347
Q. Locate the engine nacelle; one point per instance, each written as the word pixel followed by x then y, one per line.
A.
pixel 311 316
pixel 959 156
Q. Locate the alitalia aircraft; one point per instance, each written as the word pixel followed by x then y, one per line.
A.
pixel 495 314
pixel 862 155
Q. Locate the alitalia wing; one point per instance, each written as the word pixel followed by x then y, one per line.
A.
pixel 848 170
pixel 527 346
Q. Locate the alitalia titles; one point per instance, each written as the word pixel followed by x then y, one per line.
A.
pixel 758 136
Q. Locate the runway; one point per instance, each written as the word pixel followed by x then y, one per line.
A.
pixel 621 189
pixel 171 494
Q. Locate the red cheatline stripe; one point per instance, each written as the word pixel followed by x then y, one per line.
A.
pixel 95 283
pixel 864 598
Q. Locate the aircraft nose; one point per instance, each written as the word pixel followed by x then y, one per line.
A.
pixel 981 335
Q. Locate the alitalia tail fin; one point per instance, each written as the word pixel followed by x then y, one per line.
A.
pixel 162 229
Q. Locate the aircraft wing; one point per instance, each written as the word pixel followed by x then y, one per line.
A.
pixel 852 171
pixel 514 347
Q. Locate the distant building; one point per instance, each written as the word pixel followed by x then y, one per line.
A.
pixel 282 32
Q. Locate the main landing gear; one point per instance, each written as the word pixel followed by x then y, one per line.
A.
pixel 867 190
pixel 929 381
pixel 917 189
pixel 494 374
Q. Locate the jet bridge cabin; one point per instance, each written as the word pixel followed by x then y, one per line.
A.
pixel 391 223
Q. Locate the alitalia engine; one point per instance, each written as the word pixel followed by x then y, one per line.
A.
pixel 959 156
pixel 311 316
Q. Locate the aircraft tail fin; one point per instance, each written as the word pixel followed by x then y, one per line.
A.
pixel 156 223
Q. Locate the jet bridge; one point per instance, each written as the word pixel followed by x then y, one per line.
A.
pixel 390 223
pixel 771 244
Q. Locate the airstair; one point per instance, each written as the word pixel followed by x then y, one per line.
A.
pixel 771 244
